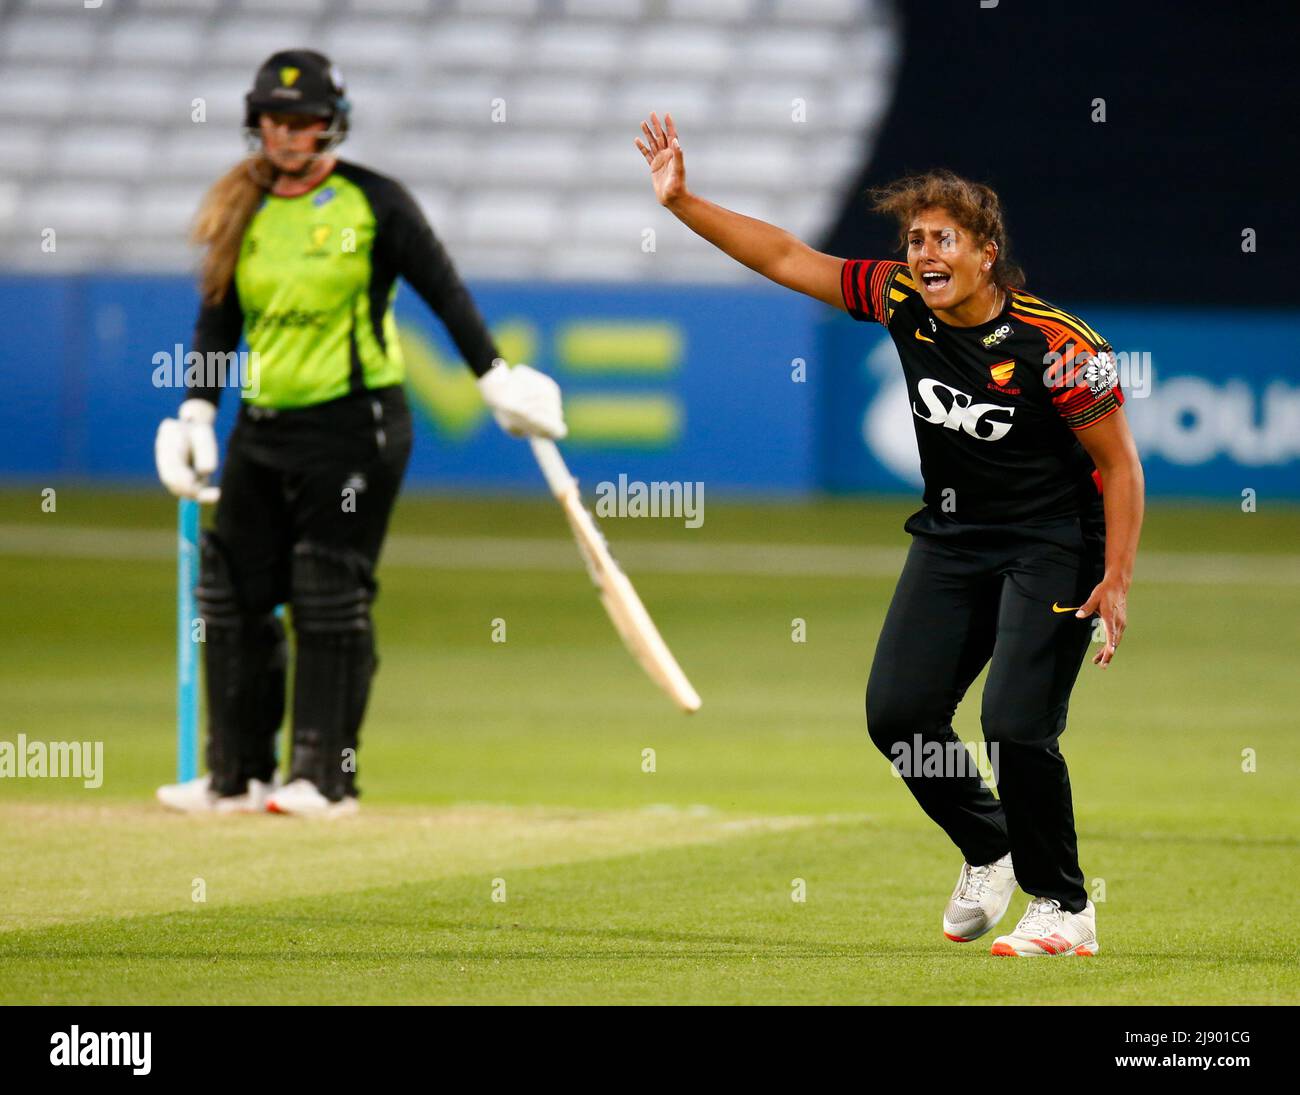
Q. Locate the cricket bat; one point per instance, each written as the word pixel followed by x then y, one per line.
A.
pixel 620 599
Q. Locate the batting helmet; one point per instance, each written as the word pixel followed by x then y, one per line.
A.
pixel 300 81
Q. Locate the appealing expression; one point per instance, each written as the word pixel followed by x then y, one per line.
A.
pixel 291 140
pixel 946 260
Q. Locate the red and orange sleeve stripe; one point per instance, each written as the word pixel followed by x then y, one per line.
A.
pixel 1079 402
pixel 872 287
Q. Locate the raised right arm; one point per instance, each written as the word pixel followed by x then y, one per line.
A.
pixel 764 248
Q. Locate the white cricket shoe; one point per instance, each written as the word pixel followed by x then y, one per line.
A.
pixel 194 796
pixel 980 899
pixel 252 801
pixel 1047 929
pixel 301 798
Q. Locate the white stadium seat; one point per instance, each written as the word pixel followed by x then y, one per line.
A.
pixel 712 11
pixel 35 93
pixel 436 206
pixel 222 91
pixel 498 261
pixel 611 158
pixel 198 153
pixel 378 108
pixel 509 216
pixel 205 6
pixel 56 5
pixel 606 9
pixel 49 38
pixel 165 211
pixel 448 158
pixel 247 42
pixel 743 162
pixel 782 51
pixel 421 8
pixel 668 50
pixel 488 45
pixel 102 152
pixel 512 120
pixel 93 210
pixel 150 253
pixel 845 12
pixel 583 261
pixel 154 39
pixel 134 95
pixel 587 47
pixel 368 43
pixel 24 149
pixel 555 103
pixel 764 103
pixel 619 220
pixel 836 157
pixel 691 102
pixel 468 102
pixel 520 157
pixel 297 7
pixel 521 8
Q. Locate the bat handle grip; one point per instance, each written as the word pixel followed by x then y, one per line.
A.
pixel 553 467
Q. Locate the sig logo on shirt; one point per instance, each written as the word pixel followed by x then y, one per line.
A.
pixel 955 410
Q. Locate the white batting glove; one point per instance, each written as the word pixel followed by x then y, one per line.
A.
pixel 525 402
pixel 185 451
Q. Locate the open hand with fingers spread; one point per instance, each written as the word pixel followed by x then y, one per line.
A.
pixel 663 152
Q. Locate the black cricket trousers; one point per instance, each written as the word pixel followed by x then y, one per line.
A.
pixel 992 596
pixel 284 482
pixel 306 496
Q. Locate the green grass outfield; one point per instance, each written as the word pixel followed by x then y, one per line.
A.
pixel 522 762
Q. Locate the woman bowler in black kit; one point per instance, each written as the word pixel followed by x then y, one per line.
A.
pixel 1019 422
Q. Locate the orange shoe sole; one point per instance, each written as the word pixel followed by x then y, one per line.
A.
pixel 1006 950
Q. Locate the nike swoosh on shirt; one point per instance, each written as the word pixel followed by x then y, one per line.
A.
pixel 922 337
pixel 1056 607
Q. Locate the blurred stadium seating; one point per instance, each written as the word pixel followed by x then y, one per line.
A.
pixel 1139 222
pixel 98 133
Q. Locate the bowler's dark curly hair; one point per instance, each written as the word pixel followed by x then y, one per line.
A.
pixel 973 205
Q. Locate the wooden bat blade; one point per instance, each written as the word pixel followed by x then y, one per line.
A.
pixel 626 610
pixel 617 594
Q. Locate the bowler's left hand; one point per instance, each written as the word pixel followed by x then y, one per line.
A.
pixel 1109 601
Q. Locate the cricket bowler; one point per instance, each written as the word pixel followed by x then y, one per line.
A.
pixel 1033 509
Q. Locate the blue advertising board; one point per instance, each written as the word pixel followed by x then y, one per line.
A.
pixel 658 383
pixel 746 389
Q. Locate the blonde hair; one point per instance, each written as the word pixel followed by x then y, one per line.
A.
pixel 222 220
